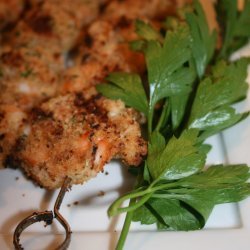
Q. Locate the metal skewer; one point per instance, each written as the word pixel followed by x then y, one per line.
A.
pixel 47 217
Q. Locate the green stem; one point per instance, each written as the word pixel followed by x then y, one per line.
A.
pixel 125 228
pixel 114 208
pixel 150 122
pixel 164 116
pixel 116 204
pixel 130 208
pixel 128 219
pixel 151 109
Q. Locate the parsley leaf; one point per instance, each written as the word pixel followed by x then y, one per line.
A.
pixel 144 215
pixel 187 204
pixel 180 158
pixel 217 195
pixel 167 73
pixel 188 101
pixel 203 41
pixel 174 215
pixel 203 47
pixel 211 111
pixel 235 25
pixel 218 175
pixel 178 103
pixel 128 88
pixel 168 215
pixel 146 31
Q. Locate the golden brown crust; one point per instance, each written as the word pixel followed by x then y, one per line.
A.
pixel 10 11
pixel 12 125
pixel 74 137
pixel 150 9
pixel 32 53
pixel 73 134
pixel 62 19
pixel 105 46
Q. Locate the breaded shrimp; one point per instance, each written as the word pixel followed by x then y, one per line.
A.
pixel 62 19
pixel 26 79
pixel 105 47
pixel 151 9
pixel 74 137
pixel 32 55
pixel 105 50
pixel 10 11
pixel 12 125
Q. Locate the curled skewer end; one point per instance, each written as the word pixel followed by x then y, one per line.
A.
pixel 47 217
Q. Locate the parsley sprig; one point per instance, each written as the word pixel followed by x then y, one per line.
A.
pixel 235 25
pixel 189 96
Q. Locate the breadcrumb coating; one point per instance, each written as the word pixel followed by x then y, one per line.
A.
pixel 74 137
pixel 105 47
pixel 32 54
pixel 10 11
pixel 12 125
pixel 77 132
